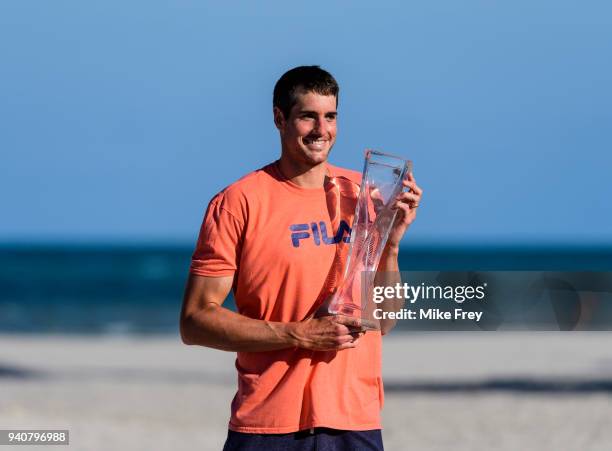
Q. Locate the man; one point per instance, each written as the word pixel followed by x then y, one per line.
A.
pixel 303 381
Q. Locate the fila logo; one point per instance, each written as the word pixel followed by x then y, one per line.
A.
pixel 319 233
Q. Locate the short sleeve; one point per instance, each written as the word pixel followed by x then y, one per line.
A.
pixel 218 248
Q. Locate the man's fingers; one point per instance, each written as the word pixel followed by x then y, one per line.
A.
pixel 341 329
pixel 414 188
pixel 348 320
pixel 406 212
pixel 338 343
pixel 357 334
pixel 346 339
pixel 348 345
pixel 403 206
pixel 409 197
pixel 335 333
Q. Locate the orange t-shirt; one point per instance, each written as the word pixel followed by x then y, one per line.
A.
pixel 282 243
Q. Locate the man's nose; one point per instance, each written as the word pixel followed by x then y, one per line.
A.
pixel 320 126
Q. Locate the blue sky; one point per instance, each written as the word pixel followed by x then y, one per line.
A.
pixel 120 120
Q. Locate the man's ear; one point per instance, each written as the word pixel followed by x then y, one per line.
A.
pixel 279 118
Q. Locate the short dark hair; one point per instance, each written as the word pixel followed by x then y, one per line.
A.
pixel 308 78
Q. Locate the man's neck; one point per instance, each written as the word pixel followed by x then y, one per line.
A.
pixel 303 175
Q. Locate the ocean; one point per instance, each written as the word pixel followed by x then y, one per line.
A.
pixel 112 289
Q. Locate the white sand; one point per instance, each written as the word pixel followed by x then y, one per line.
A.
pixel 157 394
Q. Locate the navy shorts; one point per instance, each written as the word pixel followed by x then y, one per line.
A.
pixel 321 439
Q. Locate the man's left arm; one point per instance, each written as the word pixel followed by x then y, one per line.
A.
pixel 388 268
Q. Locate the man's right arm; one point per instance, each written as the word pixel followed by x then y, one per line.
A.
pixel 205 322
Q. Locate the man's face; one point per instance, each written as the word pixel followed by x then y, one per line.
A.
pixel 309 133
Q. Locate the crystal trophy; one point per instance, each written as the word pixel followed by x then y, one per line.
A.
pixel 381 183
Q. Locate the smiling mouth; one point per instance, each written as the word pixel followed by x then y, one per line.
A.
pixel 316 143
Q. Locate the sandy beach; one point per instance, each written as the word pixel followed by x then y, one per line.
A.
pixel 460 391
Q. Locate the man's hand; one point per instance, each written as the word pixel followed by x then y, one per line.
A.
pixel 329 333
pixel 406 205
pixel 205 322
pixel 388 269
